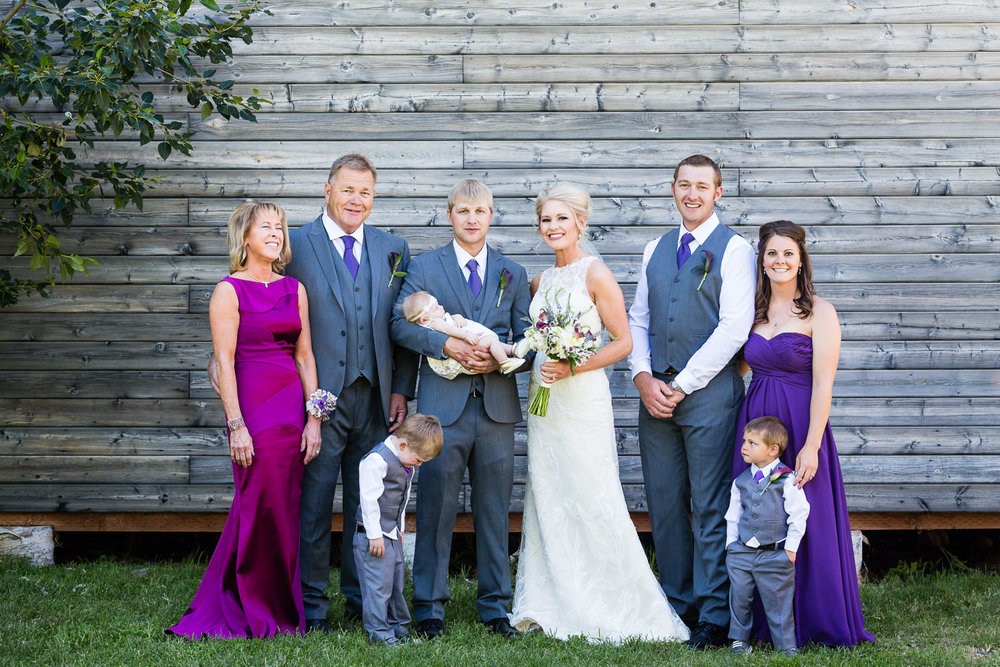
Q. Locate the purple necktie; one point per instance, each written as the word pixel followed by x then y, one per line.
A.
pixel 759 476
pixel 684 251
pixel 475 284
pixel 349 259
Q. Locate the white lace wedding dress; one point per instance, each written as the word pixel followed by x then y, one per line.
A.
pixel 581 569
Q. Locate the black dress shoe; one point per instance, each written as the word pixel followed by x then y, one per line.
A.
pixel 317 625
pixel 429 628
pixel 501 626
pixel 707 634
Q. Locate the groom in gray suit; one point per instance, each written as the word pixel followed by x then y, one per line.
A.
pixel 348 269
pixel 693 311
pixel 478 412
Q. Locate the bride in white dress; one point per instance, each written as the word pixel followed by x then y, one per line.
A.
pixel 581 569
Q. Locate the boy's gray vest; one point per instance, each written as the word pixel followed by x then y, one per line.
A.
pixel 763 514
pixel 682 316
pixel 396 486
pixel 356 295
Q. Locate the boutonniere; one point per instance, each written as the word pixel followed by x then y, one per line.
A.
pixel 776 475
pixel 704 267
pixel 505 277
pixel 395 259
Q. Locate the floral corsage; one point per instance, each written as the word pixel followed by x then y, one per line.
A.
pixel 321 404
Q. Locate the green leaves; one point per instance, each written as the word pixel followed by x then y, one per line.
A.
pixel 85 62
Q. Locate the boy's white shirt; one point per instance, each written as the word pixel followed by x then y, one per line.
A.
pixel 371 472
pixel 796 506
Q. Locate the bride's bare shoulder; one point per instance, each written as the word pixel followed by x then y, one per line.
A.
pixel 533 286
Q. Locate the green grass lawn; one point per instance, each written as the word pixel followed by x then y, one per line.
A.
pixel 113 613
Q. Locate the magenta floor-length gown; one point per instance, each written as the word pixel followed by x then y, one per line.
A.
pixel 827 604
pixel 251 587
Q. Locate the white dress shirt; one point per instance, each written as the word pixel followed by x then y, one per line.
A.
pixel 736 311
pixel 337 235
pixel 464 257
pixel 796 506
pixel 371 473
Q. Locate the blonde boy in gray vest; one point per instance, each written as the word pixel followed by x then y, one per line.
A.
pixel 764 525
pixel 386 475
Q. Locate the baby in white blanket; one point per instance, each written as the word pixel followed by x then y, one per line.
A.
pixel 423 309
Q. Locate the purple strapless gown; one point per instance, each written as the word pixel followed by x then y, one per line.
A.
pixel 827 604
pixel 251 587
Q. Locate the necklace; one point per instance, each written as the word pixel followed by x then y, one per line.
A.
pixel 266 283
pixel 786 315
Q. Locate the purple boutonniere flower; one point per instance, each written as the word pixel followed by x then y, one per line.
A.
pixel 395 259
pixel 505 277
pixel 706 265
pixel 776 475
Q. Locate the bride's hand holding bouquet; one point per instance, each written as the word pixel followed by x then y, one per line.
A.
pixel 557 332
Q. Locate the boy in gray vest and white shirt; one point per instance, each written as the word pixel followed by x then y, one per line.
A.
pixel 764 525
pixel 386 474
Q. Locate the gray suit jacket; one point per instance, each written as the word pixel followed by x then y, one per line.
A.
pixel 438 273
pixel 312 265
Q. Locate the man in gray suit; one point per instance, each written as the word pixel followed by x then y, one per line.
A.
pixel 348 269
pixel 478 412
pixel 693 311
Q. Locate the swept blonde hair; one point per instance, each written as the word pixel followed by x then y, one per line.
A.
pixel 570 194
pixel 241 221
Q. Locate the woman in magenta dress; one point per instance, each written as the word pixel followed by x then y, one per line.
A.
pixel 265 367
pixel 793 351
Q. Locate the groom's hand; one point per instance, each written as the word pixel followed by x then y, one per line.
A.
pixel 655 395
pixel 475 358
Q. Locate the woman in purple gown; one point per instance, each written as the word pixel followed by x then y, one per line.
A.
pixel 793 351
pixel 260 334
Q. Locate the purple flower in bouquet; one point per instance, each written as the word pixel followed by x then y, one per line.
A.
pixel 559 334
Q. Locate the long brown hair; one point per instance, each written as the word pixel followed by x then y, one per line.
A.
pixel 803 281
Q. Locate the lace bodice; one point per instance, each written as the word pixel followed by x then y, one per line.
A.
pixel 570 281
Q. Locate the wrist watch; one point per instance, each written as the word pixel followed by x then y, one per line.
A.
pixel 676 387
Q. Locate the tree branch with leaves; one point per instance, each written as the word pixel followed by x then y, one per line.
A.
pixel 90 62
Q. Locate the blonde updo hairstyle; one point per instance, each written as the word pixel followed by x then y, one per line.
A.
pixel 570 194
pixel 240 222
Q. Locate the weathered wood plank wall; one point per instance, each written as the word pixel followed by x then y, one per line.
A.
pixel 874 123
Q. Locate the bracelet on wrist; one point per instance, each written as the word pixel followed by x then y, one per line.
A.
pixel 235 424
pixel 321 404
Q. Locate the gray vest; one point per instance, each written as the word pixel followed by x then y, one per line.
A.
pixel 396 486
pixel 356 298
pixel 682 316
pixel 763 514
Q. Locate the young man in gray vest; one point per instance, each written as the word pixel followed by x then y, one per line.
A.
pixel 693 309
pixel 765 522
pixel 386 474
pixel 350 270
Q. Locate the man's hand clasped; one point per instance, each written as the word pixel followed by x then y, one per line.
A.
pixel 659 399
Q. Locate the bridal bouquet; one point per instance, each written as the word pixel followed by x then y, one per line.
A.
pixel 558 333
